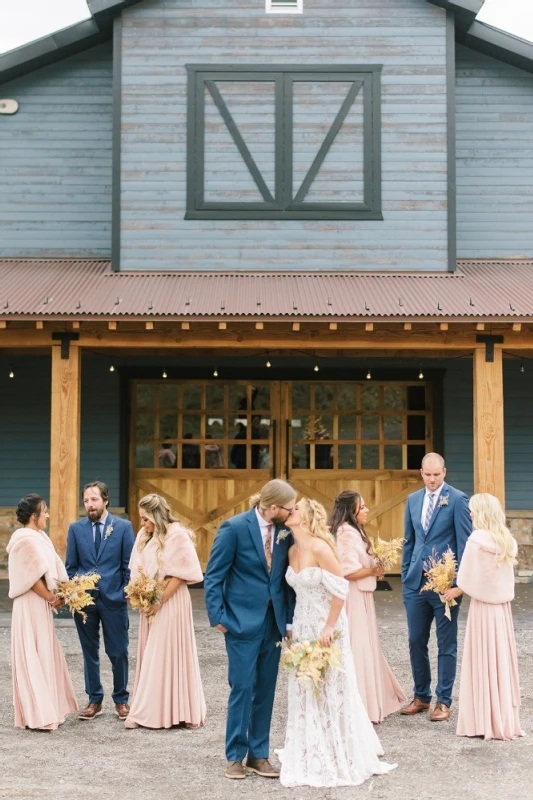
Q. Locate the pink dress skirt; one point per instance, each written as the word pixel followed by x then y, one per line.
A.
pixel 43 694
pixel 489 694
pixel 168 687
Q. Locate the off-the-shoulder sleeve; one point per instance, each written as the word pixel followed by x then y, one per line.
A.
pixel 347 549
pixel 27 563
pixel 337 586
pixel 180 559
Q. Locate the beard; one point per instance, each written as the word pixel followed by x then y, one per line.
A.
pixel 94 516
pixel 278 522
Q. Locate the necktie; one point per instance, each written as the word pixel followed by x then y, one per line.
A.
pixel 429 512
pixel 97 536
pixel 268 546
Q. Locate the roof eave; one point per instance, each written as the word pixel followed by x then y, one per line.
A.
pixel 498 44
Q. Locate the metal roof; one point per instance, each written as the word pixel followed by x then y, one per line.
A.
pixel 89 289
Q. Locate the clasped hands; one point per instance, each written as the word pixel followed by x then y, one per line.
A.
pixel 452 594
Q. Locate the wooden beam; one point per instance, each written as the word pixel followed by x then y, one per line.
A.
pixel 64 443
pixel 517 327
pixel 259 326
pixel 296 326
pixel 39 325
pixel 149 326
pixel 407 326
pixel 369 326
pixel 443 326
pixel 480 326
pixel 112 326
pixel 333 326
pixel 3 324
pixel 75 326
pixel 489 469
pixel 185 326
pixel 222 326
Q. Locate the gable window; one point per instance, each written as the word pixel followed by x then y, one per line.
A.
pixel 284 6
pixel 284 142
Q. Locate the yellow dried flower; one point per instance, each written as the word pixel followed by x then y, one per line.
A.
pixel 144 592
pixel 311 660
pixel 441 573
pixel 74 593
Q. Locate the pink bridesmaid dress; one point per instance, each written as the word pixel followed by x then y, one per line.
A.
pixel 489 693
pixel 43 694
pixel 168 687
pixel 380 691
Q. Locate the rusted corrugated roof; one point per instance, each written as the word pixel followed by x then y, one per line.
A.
pixel 84 288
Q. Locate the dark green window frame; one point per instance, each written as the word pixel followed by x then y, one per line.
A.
pixel 281 204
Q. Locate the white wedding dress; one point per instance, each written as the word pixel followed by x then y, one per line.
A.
pixel 330 740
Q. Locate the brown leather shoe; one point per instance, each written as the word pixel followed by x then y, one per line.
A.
pixel 122 710
pixel 262 767
pixel 440 713
pixel 235 771
pixel 415 707
pixel 91 711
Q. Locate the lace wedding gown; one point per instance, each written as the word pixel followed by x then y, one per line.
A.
pixel 330 740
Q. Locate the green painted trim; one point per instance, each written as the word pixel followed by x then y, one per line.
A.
pixel 283 206
pixel 116 146
pixel 451 139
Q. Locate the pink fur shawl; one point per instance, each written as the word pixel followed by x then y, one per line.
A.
pixel 353 556
pixel 32 556
pixel 481 575
pixel 178 558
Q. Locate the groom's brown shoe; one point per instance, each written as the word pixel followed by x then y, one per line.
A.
pixel 415 707
pixel 91 711
pixel 122 710
pixel 440 713
pixel 235 771
pixel 262 767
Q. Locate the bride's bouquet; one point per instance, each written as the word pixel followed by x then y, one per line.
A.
pixel 144 592
pixel 440 574
pixel 310 660
pixel 75 593
pixel 387 553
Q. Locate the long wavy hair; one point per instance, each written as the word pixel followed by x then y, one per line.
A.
pixel 158 511
pixel 345 510
pixel 315 520
pixel 488 515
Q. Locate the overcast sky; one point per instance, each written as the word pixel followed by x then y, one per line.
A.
pixel 23 21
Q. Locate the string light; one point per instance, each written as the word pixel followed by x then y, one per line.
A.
pixel 164 375
pixel 316 368
pixel 369 375
pixel 111 368
pixel 215 373
pixel 268 364
pixel 522 368
pixel 11 373
pixel 421 375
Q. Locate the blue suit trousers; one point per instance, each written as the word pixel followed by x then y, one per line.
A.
pixel 115 625
pixel 252 674
pixel 421 610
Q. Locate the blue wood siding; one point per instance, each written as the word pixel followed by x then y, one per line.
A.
pixel 159 38
pixel 518 414
pixel 55 156
pixel 494 107
pixel 458 423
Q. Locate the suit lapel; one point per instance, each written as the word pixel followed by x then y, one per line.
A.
pixel 418 508
pixel 257 539
pixel 109 521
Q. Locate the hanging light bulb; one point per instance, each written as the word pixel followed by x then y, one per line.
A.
pixel 215 373
pixel 369 375
pixel 316 368
pixel 522 368
pixel 268 364
pixel 164 375
pixel 11 373
pixel 421 375
pixel 111 368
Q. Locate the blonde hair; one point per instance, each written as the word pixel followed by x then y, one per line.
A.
pixel 273 493
pixel 315 519
pixel 488 515
pixel 158 511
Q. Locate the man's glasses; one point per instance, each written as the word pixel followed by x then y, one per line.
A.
pixel 290 510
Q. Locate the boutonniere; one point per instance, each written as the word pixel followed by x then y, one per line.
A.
pixel 444 500
pixel 284 532
pixel 108 531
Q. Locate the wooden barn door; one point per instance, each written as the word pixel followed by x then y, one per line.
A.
pixel 366 436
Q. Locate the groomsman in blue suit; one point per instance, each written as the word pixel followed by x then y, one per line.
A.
pixel 248 600
pixel 102 543
pixel 436 518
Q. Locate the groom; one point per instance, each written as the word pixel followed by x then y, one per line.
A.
pixel 248 600
pixel 102 543
pixel 436 517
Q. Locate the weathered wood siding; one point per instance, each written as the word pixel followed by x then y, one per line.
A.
pixel 494 158
pixel 406 36
pixel 55 156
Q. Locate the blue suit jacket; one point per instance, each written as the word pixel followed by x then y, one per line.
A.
pixel 450 526
pixel 238 586
pixel 111 561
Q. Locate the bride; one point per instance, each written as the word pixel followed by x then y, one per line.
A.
pixel 330 740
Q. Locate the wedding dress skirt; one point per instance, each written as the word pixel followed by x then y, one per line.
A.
pixel 330 740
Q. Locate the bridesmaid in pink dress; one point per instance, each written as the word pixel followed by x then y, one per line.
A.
pixel 168 687
pixel 380 691
pixel 489 694
pixel 43 694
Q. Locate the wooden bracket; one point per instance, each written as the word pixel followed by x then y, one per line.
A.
pixel 65 339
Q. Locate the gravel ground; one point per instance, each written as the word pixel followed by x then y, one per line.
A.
pixel 100 759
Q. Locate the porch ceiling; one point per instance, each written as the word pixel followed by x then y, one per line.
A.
pixel 81 289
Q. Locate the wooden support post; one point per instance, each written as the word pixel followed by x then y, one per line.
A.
pixel 369 326
pixel 64 443
pixel 489 467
